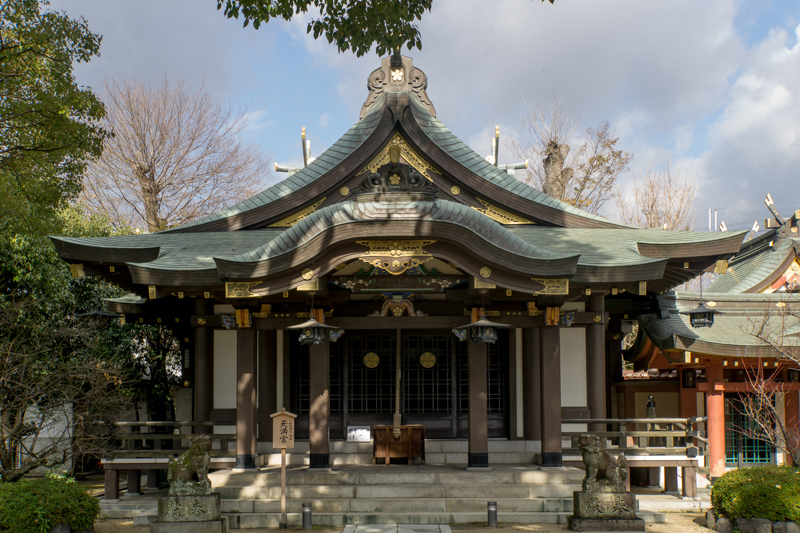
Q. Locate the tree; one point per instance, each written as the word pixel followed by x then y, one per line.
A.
pixel 50 125
pixel 776 328
pixel 350 24
pixel 58 372
pixel 663 199
pixel 55 381
pixel 175 155
pixel 584 177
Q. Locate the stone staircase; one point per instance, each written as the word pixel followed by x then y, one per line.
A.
pixel 437 452
pixel 397 494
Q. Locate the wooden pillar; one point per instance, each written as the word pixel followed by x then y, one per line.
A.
pixel 151 476
pixel 267 378
pixel 514 384
pixel 478 456
pixel 687 397
pixel 551 395
pixel 613 368
pixel 111 491
pixel 596 363
pixel 134 481
pixel 687 408
pixel 246 398
pixel 715 409
pixel 203 368
pixel 671 479
pixel 791 413
pixel 319 412
pixel 532 379
pixel 689 481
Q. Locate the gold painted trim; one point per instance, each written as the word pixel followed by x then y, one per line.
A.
pixel 480 284
pixel 407 153
pixel 396 257
pixel 500 215
pixel 553 286
pixel 240 289
pixel 294 218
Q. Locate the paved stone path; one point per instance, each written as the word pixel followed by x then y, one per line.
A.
pixel 397 528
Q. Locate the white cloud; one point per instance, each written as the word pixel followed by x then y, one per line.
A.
pixel 324 120
pixel 754 146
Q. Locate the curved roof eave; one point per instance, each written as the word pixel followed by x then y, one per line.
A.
pixel 348 221
pixel 455 157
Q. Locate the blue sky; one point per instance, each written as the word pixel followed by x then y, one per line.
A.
pixel 713 85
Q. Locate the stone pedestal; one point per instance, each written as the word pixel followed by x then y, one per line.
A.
pixel 604 511
pixel 189 514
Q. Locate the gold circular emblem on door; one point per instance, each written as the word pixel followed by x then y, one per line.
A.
pixel 371 360
pixel 427 359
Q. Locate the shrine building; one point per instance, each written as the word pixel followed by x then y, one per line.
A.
pixel 434 290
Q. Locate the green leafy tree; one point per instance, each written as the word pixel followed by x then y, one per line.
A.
pixel 355 25
pixel 50 125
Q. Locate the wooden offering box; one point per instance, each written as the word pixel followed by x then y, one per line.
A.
pixel 411 443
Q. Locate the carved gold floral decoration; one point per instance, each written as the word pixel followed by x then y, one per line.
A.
pixel 411 157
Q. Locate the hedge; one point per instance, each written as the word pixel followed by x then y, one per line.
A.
pixel 34 506
pixel 771 492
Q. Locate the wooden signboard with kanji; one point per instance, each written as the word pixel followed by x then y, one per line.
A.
pixel 283 429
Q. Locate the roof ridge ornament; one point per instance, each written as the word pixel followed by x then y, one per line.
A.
pixel 397 74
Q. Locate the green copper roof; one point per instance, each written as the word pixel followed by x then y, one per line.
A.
pixel 758 262
pixel 600 247
pixel 326 161
pixel 455 147
pixel 732 334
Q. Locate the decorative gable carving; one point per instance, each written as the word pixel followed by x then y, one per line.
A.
pixel 397 74
pixel 407 153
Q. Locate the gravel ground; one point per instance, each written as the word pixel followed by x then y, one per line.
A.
pixel 676 523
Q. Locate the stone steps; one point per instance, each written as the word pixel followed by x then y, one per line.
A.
pixel 261 520
pixel 398 494
pixel 401 505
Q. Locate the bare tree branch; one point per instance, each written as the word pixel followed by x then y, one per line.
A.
pixel 584 176
pixel 662 199
pixel 763 405
pixel 175 156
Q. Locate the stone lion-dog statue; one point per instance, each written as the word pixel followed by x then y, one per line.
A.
pixel 193 463
pixel 604 472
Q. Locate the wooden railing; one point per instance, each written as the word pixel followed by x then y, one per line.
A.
pixel 152 444
pixel 642 436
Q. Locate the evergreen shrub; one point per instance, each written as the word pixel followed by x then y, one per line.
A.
pixel 36 505
pixel 771 492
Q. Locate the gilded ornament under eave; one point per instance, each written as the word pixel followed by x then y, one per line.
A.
pixel 500 215
pixel 553 286
pixel 294 218
pixel 407 153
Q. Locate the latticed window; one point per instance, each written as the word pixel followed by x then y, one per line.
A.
pixel 370 390
pixel 428 374
pixel 740 447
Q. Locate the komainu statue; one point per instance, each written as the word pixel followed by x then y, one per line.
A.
pixel 604 472
pixel 188 473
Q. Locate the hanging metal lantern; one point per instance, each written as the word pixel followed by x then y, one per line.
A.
pixel 701 316
pixel 481 331
pixel 312 332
